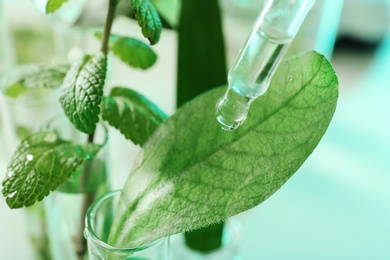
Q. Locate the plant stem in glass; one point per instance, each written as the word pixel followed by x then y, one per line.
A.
pixel 89 198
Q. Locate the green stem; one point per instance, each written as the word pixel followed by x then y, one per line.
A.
pixel 108 25
pixel 88 198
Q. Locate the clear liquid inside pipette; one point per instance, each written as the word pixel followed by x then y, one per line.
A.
pixel 250 75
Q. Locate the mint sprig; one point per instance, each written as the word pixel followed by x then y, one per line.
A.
pixel 40 164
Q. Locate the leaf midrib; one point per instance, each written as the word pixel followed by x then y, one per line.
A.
pixel 249 129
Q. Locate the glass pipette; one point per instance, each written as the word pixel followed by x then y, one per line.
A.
pixel 251 73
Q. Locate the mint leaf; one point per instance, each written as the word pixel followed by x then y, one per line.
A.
pixel 40 164
pixel 132 114
pixel 54 5
pixel 191 173
pixel 131 51
pixel 15 90
pixel 148 19
pixel 44 76
pixel 34 76
pixel 134 52
pixel 83 90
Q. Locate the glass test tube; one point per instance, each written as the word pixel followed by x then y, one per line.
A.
pixel 251 73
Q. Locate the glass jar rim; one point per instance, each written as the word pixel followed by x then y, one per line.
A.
pixel 89 232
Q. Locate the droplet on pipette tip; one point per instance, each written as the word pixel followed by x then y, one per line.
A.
pixel 232 109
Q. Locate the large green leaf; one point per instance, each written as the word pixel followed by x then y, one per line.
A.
pixel 132 114
pixel 148 19
pixel 191 173
pixel 54 5
pixel 83 91
pixel 40 164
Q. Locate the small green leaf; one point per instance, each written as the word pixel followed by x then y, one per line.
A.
pixel 44 76
pixel 132 114
pixel 22 132
pixel 83 91
pixel 148 19
pixel 131 51
pixel 40 164
pixel 15 90
pixel 54 5
pixel 134 52
pixel 34 76
pixel 191 173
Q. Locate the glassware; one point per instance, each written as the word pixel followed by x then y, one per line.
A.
pixel 24 111
pixel 72 27
pixel 35 217
pixel 98 224
pixel 7 56
pixel 7 59
pixel 251 73
pixel 67 14
pixel 67 206
pixel 319 30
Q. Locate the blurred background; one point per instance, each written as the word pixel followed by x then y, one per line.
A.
pixel 335 206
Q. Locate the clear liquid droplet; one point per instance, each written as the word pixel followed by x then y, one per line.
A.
pixel 232 110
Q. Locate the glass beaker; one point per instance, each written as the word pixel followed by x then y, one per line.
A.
pixel 66 207
pixel 98 224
